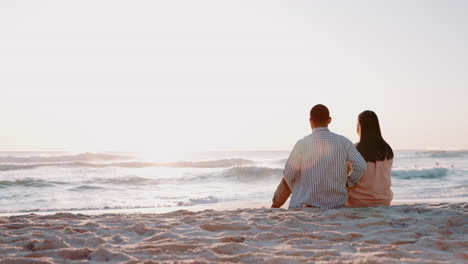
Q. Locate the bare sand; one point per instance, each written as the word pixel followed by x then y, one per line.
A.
pixel 420 233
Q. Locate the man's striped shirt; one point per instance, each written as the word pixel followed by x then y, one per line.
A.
pixel 316 170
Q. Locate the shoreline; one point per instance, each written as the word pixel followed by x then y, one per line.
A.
pixel 215 207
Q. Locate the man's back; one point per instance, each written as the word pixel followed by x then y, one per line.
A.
pixel 316 170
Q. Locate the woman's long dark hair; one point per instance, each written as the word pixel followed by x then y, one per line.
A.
pixel 372 146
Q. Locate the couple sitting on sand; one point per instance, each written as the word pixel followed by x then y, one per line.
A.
pixel 326 170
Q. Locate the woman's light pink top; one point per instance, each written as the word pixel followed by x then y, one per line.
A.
pixel 373 188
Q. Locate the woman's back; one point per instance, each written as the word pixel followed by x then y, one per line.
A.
pixel 373 188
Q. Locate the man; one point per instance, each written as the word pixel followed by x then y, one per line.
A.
pixel 316 170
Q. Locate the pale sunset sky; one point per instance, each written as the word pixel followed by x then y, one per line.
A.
pixel 108 75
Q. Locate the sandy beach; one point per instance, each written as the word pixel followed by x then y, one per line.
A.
pixel 418 233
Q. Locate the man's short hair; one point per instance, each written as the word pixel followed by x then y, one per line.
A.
pixel 319 114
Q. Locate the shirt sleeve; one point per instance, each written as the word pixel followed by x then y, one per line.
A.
pixel 358 164
pixel 292 170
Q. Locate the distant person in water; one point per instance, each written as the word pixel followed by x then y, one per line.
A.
pixel 316 171
pixel 374 187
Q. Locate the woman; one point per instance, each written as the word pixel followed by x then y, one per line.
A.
pixel 373 188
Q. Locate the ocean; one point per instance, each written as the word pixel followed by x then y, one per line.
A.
pixel 60 181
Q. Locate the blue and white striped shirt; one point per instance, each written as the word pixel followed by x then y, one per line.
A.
pixel 316 170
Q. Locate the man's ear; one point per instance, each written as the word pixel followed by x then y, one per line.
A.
pixel 311 122
pixel 329 120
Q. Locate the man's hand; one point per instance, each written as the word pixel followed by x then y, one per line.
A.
pixel 281 195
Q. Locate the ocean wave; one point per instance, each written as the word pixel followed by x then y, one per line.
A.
pixel 86 187
pixel 205 200
pixel 194 201
pixel 83 157
pixel 444 153
pixel 432 173
pixel 235 174
pixel 29 183
pixel 222 163
pixel 10 167
pixel 251 173
pixel 128 180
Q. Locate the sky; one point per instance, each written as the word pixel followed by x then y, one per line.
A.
pixel 166 76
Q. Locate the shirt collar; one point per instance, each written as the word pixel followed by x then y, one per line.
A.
pixel 321 129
